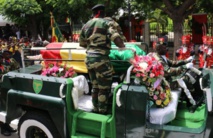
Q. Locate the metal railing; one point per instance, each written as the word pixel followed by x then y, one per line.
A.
pixel 75 46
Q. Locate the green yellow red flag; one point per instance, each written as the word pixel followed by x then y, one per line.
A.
pixel 56 33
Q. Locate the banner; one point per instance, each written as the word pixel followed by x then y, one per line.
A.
pixel 56 33
pixel 199 24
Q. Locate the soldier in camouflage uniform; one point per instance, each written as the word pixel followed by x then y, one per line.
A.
pixel 10 62
pixel 96 36
pixel 173 69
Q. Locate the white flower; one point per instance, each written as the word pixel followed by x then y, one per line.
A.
pixel 61 69
pixel 143 66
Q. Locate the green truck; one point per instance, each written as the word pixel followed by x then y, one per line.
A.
pixel 45 107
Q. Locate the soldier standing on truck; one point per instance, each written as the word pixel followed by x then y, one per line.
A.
pixel 96 36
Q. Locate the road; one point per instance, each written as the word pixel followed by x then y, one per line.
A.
pixel 14 135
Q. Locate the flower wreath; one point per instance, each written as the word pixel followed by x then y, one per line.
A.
pixel 55 70
pixel 150 72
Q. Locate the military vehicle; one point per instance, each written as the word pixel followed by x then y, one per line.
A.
pixel 59 108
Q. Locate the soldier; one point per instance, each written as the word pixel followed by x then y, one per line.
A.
pixel 161 40
pixel 96 36
pixel 10 62
pixel 3 68
pixel 172 69
pixel 187 48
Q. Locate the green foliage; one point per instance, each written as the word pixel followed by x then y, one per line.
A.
pixel 15 10
pixel 204 6
pixel 20 6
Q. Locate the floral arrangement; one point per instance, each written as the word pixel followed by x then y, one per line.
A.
pixel 150 72
pixel 55 70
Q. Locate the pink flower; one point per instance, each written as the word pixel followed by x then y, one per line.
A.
pixel 162 96
pixel 57 71
pixel 138 75
pixel 155 97
pixel 55 68
pixel 152 75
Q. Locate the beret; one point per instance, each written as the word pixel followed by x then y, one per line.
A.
pixel 98 7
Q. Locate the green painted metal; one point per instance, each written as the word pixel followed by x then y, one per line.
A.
pixel 81 122
pixel 53 106
pixel 26 83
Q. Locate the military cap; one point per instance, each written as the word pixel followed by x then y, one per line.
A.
pixel 98 7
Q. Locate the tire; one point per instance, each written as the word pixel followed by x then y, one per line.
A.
pixel 35 124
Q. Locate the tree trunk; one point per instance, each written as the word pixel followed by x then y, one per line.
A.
pixel 32 27
pixel 178 32
pixel 178 14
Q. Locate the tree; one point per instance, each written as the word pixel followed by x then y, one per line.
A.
pixel 177 10
pixel 22 12
pixel 79 11
pixel 34 15
pixel 160 20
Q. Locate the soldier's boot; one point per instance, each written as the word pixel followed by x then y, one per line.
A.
pixel 4 130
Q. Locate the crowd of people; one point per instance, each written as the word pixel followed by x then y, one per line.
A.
pixel 10 59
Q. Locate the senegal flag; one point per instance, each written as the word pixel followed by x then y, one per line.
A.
pixel 56 33
pixel 77 55
pixel 72 55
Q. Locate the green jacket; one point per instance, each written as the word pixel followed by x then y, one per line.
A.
pixel 96 35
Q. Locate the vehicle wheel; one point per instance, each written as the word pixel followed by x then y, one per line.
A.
pixel 36 125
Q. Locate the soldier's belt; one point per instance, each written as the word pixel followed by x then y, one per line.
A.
pixel 96 55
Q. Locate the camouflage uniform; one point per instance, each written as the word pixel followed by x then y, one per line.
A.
pixel 117 27
pixel 172 71
pixel 3 70
pixel 96 37
pixel 11 63
pixel 171 68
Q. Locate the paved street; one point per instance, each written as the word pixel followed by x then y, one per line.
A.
pixel 14 135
